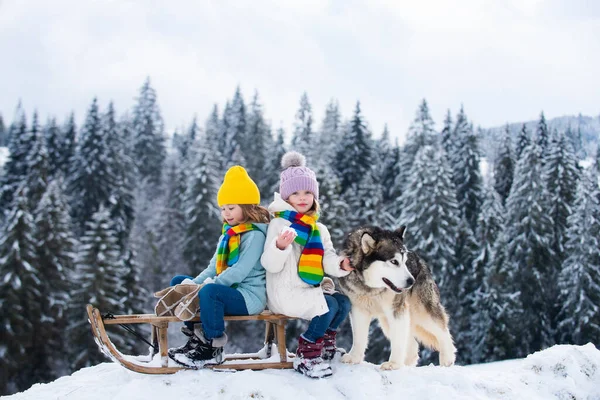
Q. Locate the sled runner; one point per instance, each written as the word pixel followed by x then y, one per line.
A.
pixel 159 363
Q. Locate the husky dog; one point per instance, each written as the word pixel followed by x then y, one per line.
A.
pixel 395 286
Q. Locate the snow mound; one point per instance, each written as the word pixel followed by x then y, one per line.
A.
pixel 560 372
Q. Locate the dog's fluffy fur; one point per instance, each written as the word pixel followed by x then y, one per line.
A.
pixel 395 286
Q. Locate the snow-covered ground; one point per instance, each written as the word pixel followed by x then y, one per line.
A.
pixel 560 372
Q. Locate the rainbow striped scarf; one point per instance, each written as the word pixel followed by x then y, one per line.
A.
pixel 228 251
pixel 310 265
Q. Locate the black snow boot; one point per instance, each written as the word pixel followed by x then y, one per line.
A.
pixel 201 352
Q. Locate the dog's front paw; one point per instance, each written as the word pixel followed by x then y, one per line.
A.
pixel 447 359
pixel 389 365
pixel 350 358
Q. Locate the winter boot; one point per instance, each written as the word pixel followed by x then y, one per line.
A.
pixel 308 360
pixel 201 352
pixel 330 351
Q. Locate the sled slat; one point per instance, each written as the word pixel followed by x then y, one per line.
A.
pixel 153 319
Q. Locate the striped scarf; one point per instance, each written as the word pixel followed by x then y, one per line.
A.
pixel 228 251
pixel 310 265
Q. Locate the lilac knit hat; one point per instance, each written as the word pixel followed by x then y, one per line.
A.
pixel 296 176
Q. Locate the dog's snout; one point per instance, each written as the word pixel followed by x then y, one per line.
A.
pixel 410 281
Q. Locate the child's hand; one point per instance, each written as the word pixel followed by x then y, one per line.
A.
pixel 345 264
pixel 285 238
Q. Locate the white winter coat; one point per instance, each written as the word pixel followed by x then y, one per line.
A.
pixel 286 292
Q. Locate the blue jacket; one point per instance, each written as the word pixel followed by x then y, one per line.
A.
pixel 248 273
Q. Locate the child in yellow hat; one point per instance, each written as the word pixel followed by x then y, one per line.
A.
pixel 234 281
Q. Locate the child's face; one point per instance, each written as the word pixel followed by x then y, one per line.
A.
pixel 232 213
pixel 302 201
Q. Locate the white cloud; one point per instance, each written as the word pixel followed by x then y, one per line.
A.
pixel 505 61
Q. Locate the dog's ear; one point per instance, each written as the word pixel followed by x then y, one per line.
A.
pixel 367 243
pixel 400 232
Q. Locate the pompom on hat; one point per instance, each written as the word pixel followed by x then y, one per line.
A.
pixel 238 188
pixel 296 176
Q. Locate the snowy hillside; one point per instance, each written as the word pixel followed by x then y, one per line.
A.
pixel 560 372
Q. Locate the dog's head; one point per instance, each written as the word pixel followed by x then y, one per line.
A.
pixel 379 257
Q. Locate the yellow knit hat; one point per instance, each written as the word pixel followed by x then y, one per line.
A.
pixel 238 188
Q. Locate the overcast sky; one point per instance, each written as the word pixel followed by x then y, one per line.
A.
pixel 504 60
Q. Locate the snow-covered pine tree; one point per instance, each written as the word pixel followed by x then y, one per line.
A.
pixel 561 173
pixel 15 168
pixel 303 137
pixel 20 303
pixel 446 134
pixel 53 137
pixel 542 136
pixel 235 141
pixel 579 279
pixel 354 154
pixel 97 280
pixel 91 180
pixel 574 138
pixel 528 236
pixel 504 167
pixel 334 209
pixel 489 227
pixel 36 179
pixel 136 294
pixel 523 140
pixel 202 214
pixel 259 141
pixel 465 161
pixel 171 228
pixel 212 128
pixel 121 201
pixel 3 133
pixel 597 161
pixel 273 167
pixel 55 246
pixel 68 145
pixel 430 192
pixel 149 140
pixel 329 135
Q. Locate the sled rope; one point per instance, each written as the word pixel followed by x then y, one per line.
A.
pixel 129 329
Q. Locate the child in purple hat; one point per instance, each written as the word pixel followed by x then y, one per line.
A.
pixel 298 253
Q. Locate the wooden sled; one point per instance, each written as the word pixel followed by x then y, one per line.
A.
pixel 274 332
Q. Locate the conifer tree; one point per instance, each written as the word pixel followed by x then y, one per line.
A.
pixel 446 133
pixel 235 140
pixel 523 140
pixel 212 129
pixel 329 135
pixel 354 154
pixel 55 246
pixel 561 173
pixel 528 237
pixel 579 279
pixel 53 137
pixel 504 168
pixel 202 215
pixel 3 133
pixel 334 208
pixel 68 145
pixel 258 143
pixel 390 170
pixel 91 180
pixel 303 137
pixel 465 161
pixel 135 290
pixel 543 136
pixel 19 295
pixel 148 131
pixel 36 179
pixel 273 167
pixel 489 227
pixel 430 191
pixel 99 277
pixel 15 169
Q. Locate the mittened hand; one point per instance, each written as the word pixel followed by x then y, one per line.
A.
pixel 285 238
pixel 188 281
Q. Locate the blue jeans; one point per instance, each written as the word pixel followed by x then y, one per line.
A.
pixel 216 301
pixel 339 308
